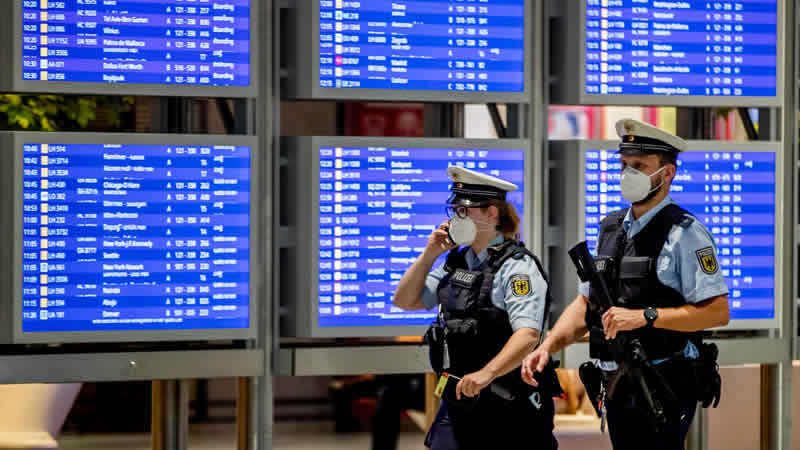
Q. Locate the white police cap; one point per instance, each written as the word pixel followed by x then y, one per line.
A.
pixel 470 186
pixel 642 138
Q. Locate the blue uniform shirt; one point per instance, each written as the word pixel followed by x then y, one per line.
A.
pixel 679 264
pixel 524 311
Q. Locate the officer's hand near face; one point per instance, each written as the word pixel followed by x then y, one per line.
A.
pixel 619 319
pixel 472 384
pixel 439 242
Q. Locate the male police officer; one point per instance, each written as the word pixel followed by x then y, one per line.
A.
pixel 493 296
pixel 667 286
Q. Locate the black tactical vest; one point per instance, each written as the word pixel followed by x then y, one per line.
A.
pixel 630 265
pixel 475 329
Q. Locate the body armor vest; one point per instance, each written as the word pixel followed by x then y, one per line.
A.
pixel 475 329
pixel 631 273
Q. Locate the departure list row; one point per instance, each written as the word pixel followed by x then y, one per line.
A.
pixel 182 42
pixel 135 237
pixel 732 194
pixel 703 48
pixel 378 207
pixel 439 45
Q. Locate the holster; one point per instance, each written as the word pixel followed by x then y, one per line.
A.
pixel 592 378
pixel 708 382
pixel 434 338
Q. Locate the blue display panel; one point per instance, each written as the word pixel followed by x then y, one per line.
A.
pixel 174 42
pixel 732 194
pixel 135 237
pixel 434 45
pixel 698 48
pixel 378 207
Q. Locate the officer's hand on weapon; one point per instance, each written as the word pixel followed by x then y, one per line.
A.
pixel 439 242
pixel 472 385
pixel 618 319
pixel 535 362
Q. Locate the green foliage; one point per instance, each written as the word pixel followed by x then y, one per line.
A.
pixel 59 112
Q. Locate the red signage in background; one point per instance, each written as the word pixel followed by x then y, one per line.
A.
pixel 384 119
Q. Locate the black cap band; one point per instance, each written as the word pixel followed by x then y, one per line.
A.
pixel 475 192
pixel 649 146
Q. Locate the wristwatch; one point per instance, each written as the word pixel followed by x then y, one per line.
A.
pixel 650 315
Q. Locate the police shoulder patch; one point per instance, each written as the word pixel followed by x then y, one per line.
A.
pixel 708 261
pixel 520 285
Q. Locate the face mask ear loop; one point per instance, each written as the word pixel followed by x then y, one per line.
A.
pixel 480 222
pixel 660 184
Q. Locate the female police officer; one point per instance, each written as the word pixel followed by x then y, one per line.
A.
pixel 492 295
pixel 666 285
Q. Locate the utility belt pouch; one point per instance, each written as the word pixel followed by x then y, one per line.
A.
pixel 460 330
pixel 434 338
pixel 592 378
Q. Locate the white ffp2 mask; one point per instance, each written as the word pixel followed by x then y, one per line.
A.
pixel 635 185
pixel 463 231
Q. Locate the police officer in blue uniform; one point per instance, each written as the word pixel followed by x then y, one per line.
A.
pixel 492 296
pixel 668 286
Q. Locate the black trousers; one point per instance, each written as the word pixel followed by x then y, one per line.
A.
pixel 629 419
pixel 395 394
pixel 494 424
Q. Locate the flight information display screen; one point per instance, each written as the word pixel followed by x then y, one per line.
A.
pixel 732 194
pixel 178 42
pixel 378 207
pixel 437 45
pixel 135 237
pixel 699 48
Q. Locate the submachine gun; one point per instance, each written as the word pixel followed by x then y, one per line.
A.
pixel 626 351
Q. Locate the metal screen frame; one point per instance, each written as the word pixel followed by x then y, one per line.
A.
pixel 301 285
pixel 303 81
pixel 11 221
pixel 11 59
pixel 571 87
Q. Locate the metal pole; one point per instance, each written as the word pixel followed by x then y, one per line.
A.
pixel 157 415
pixel 267 122
pixel 781 379
pixel 747 121
pixel 537 131
pixel 170 419
pixel 244 416
pixel 497 121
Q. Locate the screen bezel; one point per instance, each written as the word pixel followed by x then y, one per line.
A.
pixel 579 48
pixel 310 295
pixel 15 201
pixel 17 84
pixel 316 92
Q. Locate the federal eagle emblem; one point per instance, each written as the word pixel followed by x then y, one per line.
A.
pixel 628 127
pixel 520 285
pixel 707 259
